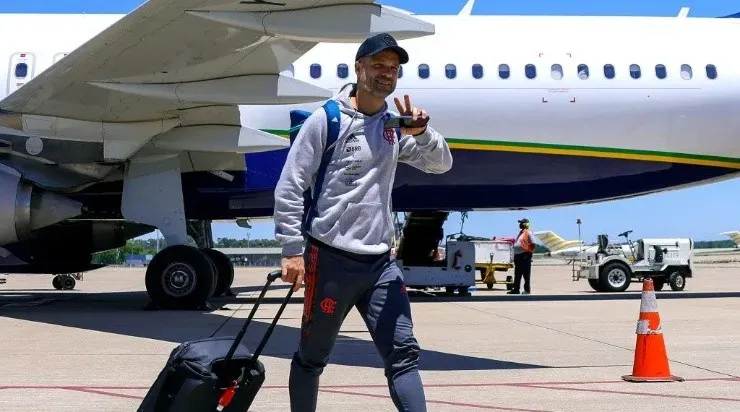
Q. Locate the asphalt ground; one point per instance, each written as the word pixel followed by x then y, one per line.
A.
pixel 563 348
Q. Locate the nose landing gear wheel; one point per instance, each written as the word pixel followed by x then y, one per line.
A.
pixel 180 277
pixel 63 282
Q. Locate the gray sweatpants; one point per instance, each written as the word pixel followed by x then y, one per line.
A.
pixel 335 282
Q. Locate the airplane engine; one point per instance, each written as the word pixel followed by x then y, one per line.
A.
pixel 25 207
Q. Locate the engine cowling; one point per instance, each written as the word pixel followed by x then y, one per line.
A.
pixel 25 208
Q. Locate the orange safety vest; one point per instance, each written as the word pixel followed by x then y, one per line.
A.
pixel 526 241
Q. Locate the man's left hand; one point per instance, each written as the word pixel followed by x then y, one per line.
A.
pixel 414 112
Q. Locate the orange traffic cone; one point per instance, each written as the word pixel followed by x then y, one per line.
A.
pixel 651 360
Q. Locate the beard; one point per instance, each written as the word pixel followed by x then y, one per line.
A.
pixel 378 90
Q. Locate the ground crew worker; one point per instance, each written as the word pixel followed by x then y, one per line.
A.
pixel 347 260
pixel 523 250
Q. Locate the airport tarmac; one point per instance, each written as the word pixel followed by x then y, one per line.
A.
pixel 564 348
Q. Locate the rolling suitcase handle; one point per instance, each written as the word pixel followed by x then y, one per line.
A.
pixel 271 277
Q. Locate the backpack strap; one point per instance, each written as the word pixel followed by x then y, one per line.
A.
pixel 333 122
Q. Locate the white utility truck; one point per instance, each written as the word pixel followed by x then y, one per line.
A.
pixel 425 267
pixel 612 269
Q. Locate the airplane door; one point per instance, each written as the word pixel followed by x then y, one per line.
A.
pixel 59 56
pixel 22 66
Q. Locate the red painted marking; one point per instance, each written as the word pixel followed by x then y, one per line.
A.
pixel 102 390
pixel 113 394
pixel 658 395
pixel 470 405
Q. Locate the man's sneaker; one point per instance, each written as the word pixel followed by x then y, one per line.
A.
pixel 525 293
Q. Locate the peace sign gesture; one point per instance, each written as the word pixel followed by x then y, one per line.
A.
pixel 415 113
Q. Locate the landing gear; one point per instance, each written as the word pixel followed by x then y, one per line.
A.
pixel 181 277
pixel 65 281
pixel 224 270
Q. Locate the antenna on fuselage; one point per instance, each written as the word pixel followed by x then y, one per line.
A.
pixel 467 8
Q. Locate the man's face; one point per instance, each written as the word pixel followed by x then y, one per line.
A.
pixel 378 74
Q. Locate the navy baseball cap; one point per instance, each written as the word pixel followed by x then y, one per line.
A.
pixel 376 44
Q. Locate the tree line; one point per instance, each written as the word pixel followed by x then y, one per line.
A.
pixel 149 247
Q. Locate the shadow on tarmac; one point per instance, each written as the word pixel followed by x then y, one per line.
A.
pixel 122 313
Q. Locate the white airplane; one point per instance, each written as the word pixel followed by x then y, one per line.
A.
pixel 572 249
pixel 176 114
pixel 734 235
pixel 555 243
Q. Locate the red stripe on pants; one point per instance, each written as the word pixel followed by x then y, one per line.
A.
pixel 310 278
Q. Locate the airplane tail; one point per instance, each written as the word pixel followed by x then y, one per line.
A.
pixel 734 235
pixel 554 242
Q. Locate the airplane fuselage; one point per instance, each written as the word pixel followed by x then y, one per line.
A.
pixel 539 110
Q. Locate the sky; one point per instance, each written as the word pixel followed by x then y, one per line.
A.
pixel 701 212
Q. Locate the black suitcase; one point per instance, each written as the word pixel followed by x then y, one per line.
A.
pixel 212 374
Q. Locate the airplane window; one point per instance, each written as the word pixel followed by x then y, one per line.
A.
pixel 635 71
pixel 21 70
pixel 686 72
pixel 609 71
pixel 711 71
pixel 450 71
pixel 424 71
pixel 556 71
pixel 477 71
pixel 583 71
pixel 315 71
pixel 503 71
pixel 660 71
pixel 530 71
pixel 342 70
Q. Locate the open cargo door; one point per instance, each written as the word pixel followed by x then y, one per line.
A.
pixel 421 236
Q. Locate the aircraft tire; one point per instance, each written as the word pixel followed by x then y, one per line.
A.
pixel 225 269
pixel 180 277
pixel 57 282
pixel 67 282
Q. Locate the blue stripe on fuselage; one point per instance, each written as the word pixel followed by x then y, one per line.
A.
pixel 69 6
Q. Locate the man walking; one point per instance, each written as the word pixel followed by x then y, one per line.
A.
pixel 348 227
pixel 523 250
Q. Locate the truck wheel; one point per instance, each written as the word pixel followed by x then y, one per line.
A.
pixel 615 277
pixel 677 281
pixel 594 283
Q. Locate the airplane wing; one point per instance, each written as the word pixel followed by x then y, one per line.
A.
pixel 190 63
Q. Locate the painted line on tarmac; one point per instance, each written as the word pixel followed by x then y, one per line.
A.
pixel 591 339
pixel 99 392
pixel 430 401
pixel 657 395
pixel 342 390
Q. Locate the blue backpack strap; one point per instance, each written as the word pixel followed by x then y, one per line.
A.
pixel 333 122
